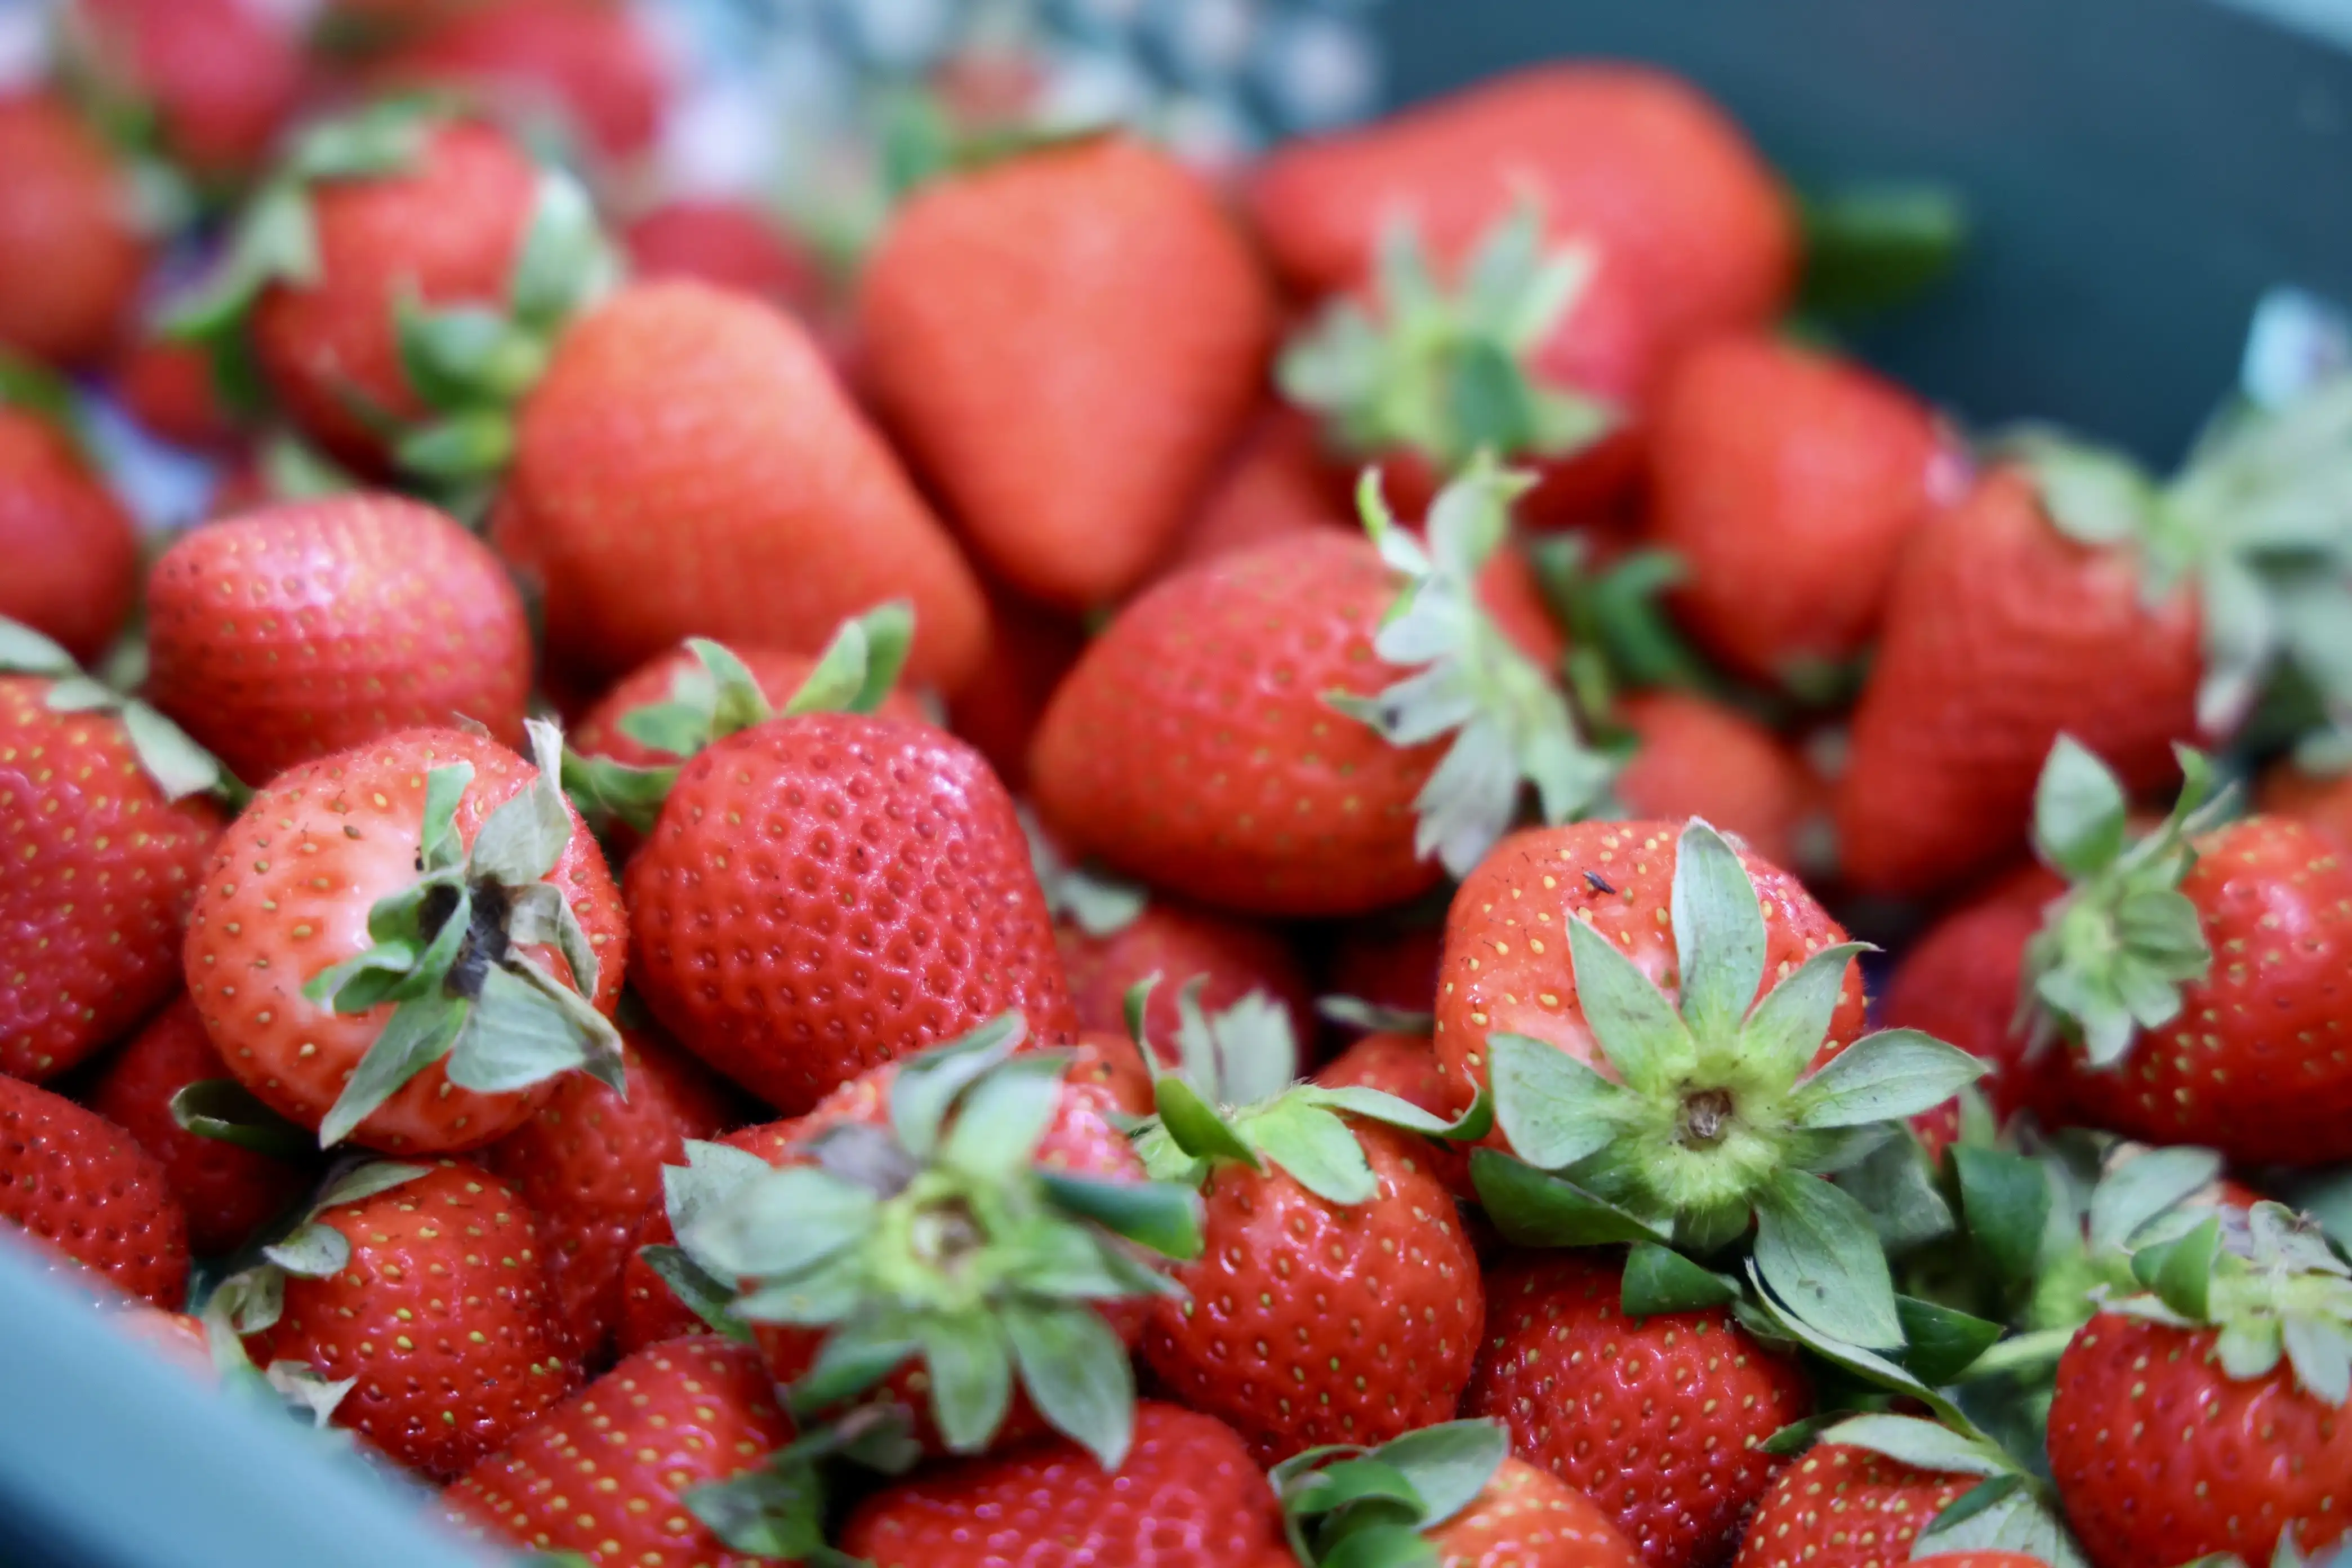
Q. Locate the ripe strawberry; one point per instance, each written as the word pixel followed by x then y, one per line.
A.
pixel 1276 481
pixel 168 386
pixel 1637 162
pixel 824 893
pixel 651 1309
pixel 73 558
pixel 1980 1560
pixel 1697 757
pixel 1404 1066
pixel 227 1192
pixel 1030 649
pixel 308 628
pixel 1388 964
pixel 733 244
pixel 1187 1496
pixel 611 1472
pixel 1657 1419
pixel 217 78
pixel 424 1284
pixel 782 512
pixel 2210 1417
pixel 373 956
pixel 72 1179
pixel 1847 1506
pixel 1787 482
pixel 591 69
pixel 1102 280
pixel 71 245
pixel 2321 800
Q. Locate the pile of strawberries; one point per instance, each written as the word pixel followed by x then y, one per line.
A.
pixel 702 901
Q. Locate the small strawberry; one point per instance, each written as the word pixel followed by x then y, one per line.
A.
pixel 590 70
pixel 425 1287
pixel 1276 481
pixel 380 944
pixel 73 557
pixel 228 1191
pixel 1101 279
pixel 1787 482
pixel 733 244
pixel 1639 163
pixel 168 386
pixel 1847 1506
pixel 70 241
pixel 1187 1495
pixel 210 80
pixel 2198 968
pixel 308 627
pixel 74 1181
pixel 1030 650
pixel 1693 756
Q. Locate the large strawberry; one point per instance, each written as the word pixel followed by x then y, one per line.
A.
pixel 78 1182
pixel 1635 161
pixel 70 241
pixel 2071 593
pixel 73 560
pixel 308 628
pixel 211 80
pixel 1259 731
pixel 2197 970
pixel 1102 280
pixel 408 940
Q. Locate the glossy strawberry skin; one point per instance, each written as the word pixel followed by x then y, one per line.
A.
pixel 1657 1419
pixel 605 1474
pixel 2160 1456
pixel 1507 969
pixel 1308 1321
pixel 1529 1517
pixel 2002 634
pixel 219 76
pixel 1404 1066
pixel 286 896
pixel 102 868
pixel 760 508
pixel 1187 1496
pixel 310 628
pixel 825 893
pixel 1697 757
pixel 592 65
pixel 730 242
pixel 1179 943
pixel 74 1181
pixel 443 1315
pixel 73 558
pixel 1193 746
pixel 70 247
pixel 227 1192
pixel 2255 1064
pixel 1842 1506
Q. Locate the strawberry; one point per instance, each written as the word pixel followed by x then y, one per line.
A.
pixel 1658 1419
pixel 730 242
pixel 227 1191
pixel 1402 1065
pixel 1186 1496
pixel 2322 800
pixel 105 831
pixel 781 512
pixel 1638 163
pixel 73 558
pixel 2070 593
pixel 1787 482
pixel 652 1309
pixel 1389 964
pixel 213 79
pixel 1276 481
pixel 590 70
pixel 1847 1506
pixel 612 1472
pixel 1695 756
pixel 168 386
pixel 589 1163
pixel 824 893
pixel 372 954
pixel 1980 1560
pixel 77 1182
pixel 1232 736
pixel 1102 280
pixel 2197 969
pixel 425 1286
pixel 1030 649
pixel 308 628
pixel 2210 1416
pixel 70 241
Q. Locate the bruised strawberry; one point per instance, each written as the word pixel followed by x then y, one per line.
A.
pixel 731 244
pixel 78 1182
pixel 73 558
pixel 71 245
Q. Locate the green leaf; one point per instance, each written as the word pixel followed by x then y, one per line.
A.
pixel 313 1251
pixel 1158 1214
pixel 1660 1279
pixel 927 1085
pixel 1791 1022
pixel 24 651
pixel 1195 1126
pixel 1922 1445
pixel 439 845
pixel 2014 1519
pixel 2319 1349
pixel 779 1223
pixel 2145 1185
pixel 563 259
pixel 1315 1149
pixel 2005 1199
pixel 771 1510
pixel 1867 1365
pixel 368 1179
pixel 1893 1073
pixel 470 444
pixel 971 1368
pixel 1869 249
pixel 447 352
pixel 1379 1105
pixel 178 766
pixel 1448 1465
pixel 2093 496
pixel 1818 1252
pixel 1632 1022
pixel 2181 1272
pixel 2079 810
pixel 226 1111
pixel 1896 1189
pixel 418 1034
pixel 1718 933
pixel 1076 1372
pixel 697 1289
pixel 856 1356
pixel 1533 1209
pixel 524 840
pixel 1554 1110
pixel 1002 1117
pixel 1941 1342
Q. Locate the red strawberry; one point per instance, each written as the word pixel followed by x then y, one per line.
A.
pixel 589 1163
pixel 1187 1496
pixel 1787 482
pixel 1845 1507
pixel 1637 162
pixel 827 892
pixel 1697 757
pixel 327 956
pixel 1113 1063
pixel 71 245
pixel 1030 649
pixel 1102 280
pixel 782 512
pixel 1405 1066
pixel 74 1180
pixel 651 1311
pixel 169 387
pixel 2321 800
pixel 219 77
pixel 1387 965
pixel 590 69
pixel 1657 1419
pixel 733 244
pixel 73 558
pixel 426 1285
pixel 610 1472
pixel 227 1192
pixel 308 628
pixel 1276 482
pixel 1105 952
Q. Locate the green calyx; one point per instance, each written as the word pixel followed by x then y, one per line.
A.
pixel 1371 1508
pixel 2008 1509
pixel 1508 717
pixel 449 956
pixel 716 696
pixel 1712 1123
pixel 178 766
pixel 776 1509
pixel 1097 901
pixel 939 1239
pixel 1233 1097
pixel 1446 374
pixel 2114 952
pixel 34 389
pixel 2276 1290
pixel 1620 638
pixel 226 1111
